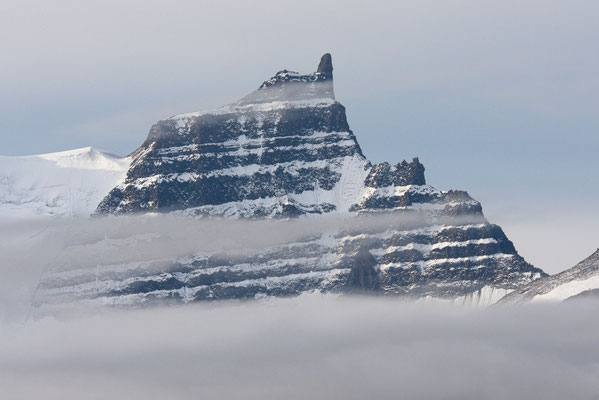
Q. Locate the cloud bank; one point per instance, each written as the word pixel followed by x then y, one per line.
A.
pixel 314 346
pixel 31 247
pixel 308 347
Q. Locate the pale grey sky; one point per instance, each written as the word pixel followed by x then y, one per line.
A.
pixel 499 98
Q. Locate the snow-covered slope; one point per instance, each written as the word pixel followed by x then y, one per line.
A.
pixel 582 280
pixel 65 183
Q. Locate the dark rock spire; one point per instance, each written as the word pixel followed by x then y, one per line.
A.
pixel 325 68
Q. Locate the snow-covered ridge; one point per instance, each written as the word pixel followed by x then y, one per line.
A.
pixel 65 183
pixel 86 158
pixel 569 289
pixel 577 282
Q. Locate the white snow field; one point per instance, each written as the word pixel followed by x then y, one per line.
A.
pixel 67 183
pixel 569 289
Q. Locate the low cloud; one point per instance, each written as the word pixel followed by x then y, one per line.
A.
pixel 312 346
pixel 309 347
pixel 30 247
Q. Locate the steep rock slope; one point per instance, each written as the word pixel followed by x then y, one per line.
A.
pixel 580 281
pixel 286 150
pixel 66 183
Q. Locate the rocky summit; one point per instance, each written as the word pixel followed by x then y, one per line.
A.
pixel 285 151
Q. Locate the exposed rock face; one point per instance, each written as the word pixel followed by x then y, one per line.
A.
pixel 578 282
pixel 325 67
pixel 286 150
pixel 363 275
pixel 251 161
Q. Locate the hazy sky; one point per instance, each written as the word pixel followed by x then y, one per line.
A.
pixel 499 98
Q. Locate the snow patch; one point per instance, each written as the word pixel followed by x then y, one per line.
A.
pixel 568 289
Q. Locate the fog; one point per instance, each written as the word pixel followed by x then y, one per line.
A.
pixel 309 347
pixel 31 247
pixel 312 346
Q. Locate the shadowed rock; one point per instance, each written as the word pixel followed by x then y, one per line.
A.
pixel 325 68
pixel 362 275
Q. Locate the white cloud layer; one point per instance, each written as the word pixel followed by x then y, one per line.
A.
pixel 28 247
pixel 309 347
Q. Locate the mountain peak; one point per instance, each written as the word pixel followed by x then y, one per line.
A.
pixel 325 67
pixel 287 85
pixel 285 151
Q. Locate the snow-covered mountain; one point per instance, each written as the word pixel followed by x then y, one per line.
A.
pixel 580 281
pixel 286 150
pixel 66 183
